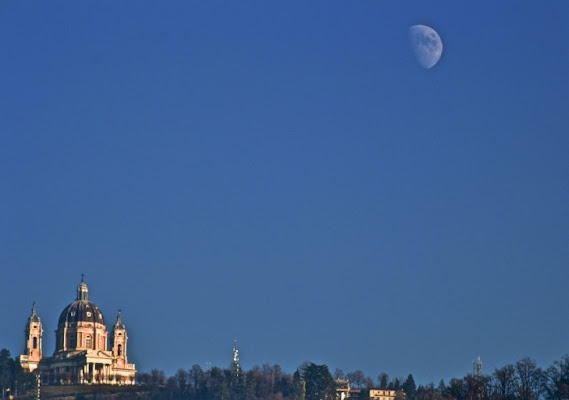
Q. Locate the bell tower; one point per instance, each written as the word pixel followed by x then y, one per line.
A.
pixel 119 342
pixel 33 352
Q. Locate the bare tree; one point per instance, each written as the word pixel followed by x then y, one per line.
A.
pixel 529 379
pixel 338 374
pixel 556 380
pixel 504 383
pixel 356 378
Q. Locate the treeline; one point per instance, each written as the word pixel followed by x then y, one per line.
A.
pixel 268 382
pixel 13 380
pixel 523 380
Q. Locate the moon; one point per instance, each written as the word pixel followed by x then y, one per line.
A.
pixel 426 44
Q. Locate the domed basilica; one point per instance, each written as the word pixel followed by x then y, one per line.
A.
pixel 82 354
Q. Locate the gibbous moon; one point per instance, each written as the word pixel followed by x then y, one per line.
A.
pixel 426 44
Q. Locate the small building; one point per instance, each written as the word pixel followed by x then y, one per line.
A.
pixel 342 389
pixel 385 394
pixel 82 352
pixel 345 392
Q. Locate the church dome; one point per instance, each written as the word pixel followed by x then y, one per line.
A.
pixel 81 310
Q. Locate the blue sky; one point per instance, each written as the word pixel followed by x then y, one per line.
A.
pixel 285 173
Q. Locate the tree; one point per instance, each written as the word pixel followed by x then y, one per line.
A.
pixel 427 393
pixel 409 387
pixel 476 387
pixel 442 388
pixel 320 384
pixel 339 374
pixel 504 383
pixel 195 376
pixel 368 383
pixel 23 381
pixel 6 371
pixel 250 384
pixel 556 380
pixel 529 378
pixel 298 385
pixel 383 380
pixel 181 379
pixel 457 389
pixel 356 378
pixel 157 377
pixel 396 384
pixel 143 378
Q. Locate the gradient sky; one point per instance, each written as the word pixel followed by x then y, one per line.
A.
pixel 285 173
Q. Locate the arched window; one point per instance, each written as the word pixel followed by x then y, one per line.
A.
pixel 88 343
pixel 119 351
pixel 35 345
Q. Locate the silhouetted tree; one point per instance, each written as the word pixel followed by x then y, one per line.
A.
pixel 529 378
pixel 395 384
pixel 556 380
pixel 339 374
pixel 157 377
pixel 320 384
pixel 442 388
pixel 426 393
pixel 429 392
pixel 195 377
pixel 356 378
pixel 409 387
pixel 368 383
pixel 181 379
pixel 383 380
pixel 504 383
pixel 476 387
pixel 457 389
pixel 6 371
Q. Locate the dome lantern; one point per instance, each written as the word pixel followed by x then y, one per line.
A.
pixel 82 290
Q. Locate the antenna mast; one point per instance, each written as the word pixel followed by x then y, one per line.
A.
pixel 477 367
pixel 236 366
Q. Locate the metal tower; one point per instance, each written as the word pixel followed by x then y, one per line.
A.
pixel 236 366
pixel 477 367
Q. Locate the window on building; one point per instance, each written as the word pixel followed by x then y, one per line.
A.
pixel 119 351
pixel 35 344
pixel 88 342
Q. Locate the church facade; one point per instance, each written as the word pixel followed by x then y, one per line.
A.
pixel 85 353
